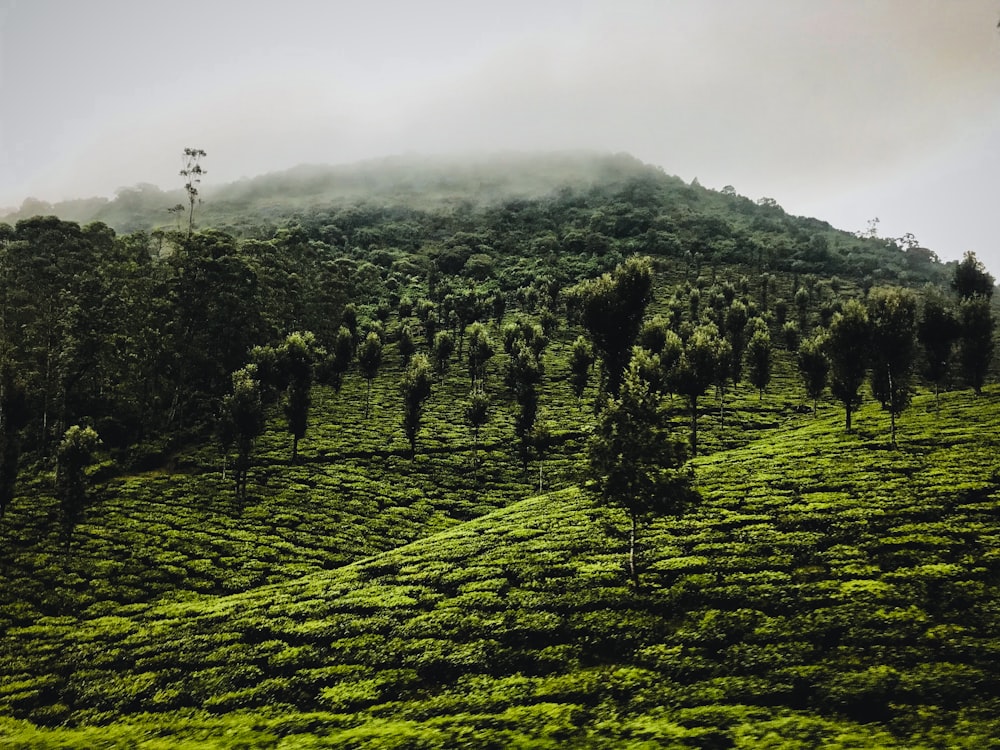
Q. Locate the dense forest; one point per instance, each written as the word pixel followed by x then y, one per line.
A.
pixel 551 451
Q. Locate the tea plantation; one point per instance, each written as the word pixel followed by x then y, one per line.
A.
pixel 830 592
pixel 256 490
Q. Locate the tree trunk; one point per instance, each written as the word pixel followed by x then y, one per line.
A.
pixel 694 425
pixel 631 552
pixel 847 410
pixel 295 448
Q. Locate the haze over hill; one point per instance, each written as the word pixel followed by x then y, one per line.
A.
pixel 844 111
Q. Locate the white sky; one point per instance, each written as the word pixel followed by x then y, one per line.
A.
pixel 840 109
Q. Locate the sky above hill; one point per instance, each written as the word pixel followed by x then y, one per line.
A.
pixel 845 110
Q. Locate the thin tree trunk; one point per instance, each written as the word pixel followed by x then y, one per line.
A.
pixel 892 407
pixel 847 409
pixel 694 425
pixel 631 552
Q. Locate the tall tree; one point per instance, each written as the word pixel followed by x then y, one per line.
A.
pixel 332 368
pixel 971 279
pixel 13 418
pixel 847 346
pixel 524 373
pixel 299 355
pixel 635 463
pixel 976 341
pixel 611 309
pixel 192 172
pixel 695 371
pixel 74 454
pixel 937 331
pixel 481 351
pixel 442 349
pixel 813 366
pixel 242 422
pixel 477 413
pixel 416 389
pixel 405 344
pixel 580 361
pixel 737 317
pixel 370 360
pixel 758 358
pixel 892 315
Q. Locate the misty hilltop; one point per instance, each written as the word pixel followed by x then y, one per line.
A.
pixel 570 201
pixel 410 179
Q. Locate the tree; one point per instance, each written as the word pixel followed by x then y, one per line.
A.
pixel 332 368
pixel 695 371
pixel 634 462
pixel 846 346
pixel 971 278
pixel 976 342
pixel 737 317
pixel 892 315
pixel 524 372
pixel 298 355
pixel 370 360
pixel 13 418
pixel 407 347
pixel 580 361
pixel 192 172
pixel 937 331
pixel 416 389
pixel 74 454
pixel 611 309
pixel 758 358
pixel 444 346
pixel 477 413
pixel 481 351
pixel 814 367
pixel 242 421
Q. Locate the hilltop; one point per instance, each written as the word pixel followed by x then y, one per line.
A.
pixel 653 211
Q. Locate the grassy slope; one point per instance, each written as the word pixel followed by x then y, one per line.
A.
pixel 831 592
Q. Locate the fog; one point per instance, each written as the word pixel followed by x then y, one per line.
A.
pixel 837 109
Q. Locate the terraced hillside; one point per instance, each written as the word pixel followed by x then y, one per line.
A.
pixel 830 592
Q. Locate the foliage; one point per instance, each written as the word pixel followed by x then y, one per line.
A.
pixel 696 371
pixel 416 389
pixel 74 454
pixel 970 278
pixel 847 345
pixel 634 462
pixel 937 332
pixel 369 361
pixel 13 418
pixel 892 315
pixel 813 366
pixel 976 343
pixel 758 356
pixel 242 421
pixel 611 309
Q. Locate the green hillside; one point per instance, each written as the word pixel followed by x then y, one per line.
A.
pixel 830 592
pixel 230 516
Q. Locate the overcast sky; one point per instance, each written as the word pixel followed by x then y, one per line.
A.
pixel 841 109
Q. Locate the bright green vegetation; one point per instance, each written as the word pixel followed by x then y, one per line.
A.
pixel 815 599
pixel 390 473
